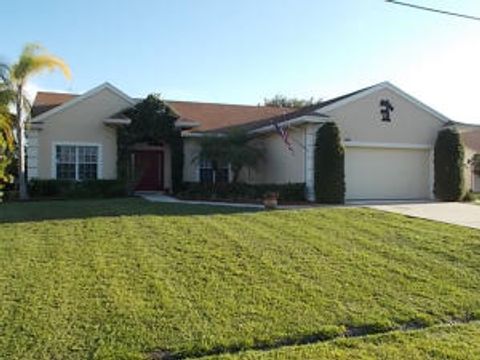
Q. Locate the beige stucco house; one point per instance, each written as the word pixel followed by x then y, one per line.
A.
pixel 388 136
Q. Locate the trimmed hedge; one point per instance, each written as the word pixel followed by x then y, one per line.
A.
pixel 290 192
pixel 77 189
pixel 329 165
pixel 449 166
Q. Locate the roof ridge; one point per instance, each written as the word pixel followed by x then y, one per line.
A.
pixel 230 104
pixel 57 93
pixel 182 101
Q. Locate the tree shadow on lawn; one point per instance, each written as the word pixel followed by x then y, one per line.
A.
pixel 82 209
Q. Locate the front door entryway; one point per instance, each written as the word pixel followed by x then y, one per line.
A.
pixel 149 170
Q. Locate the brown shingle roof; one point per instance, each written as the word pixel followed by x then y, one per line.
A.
pixel 286 114
pixel 471 139
pixel 215 116
pixel 45 101
pixel 211 116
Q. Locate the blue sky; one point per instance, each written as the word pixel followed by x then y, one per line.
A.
pixel 242 51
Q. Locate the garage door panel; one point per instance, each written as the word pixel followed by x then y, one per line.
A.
pixel 476 183
pixel 380 173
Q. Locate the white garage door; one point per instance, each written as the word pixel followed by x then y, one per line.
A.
pixel 476 183
pixel 381 173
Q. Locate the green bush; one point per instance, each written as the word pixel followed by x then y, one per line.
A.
pixel 329 165
pixel 240 191
pixel 448 162
pixel 77 189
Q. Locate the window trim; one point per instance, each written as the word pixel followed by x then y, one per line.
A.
pixel 76 144
pixel 200 167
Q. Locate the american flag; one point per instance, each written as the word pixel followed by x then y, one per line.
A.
pixel 283 132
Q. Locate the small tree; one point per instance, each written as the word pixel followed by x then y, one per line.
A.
pixel 329 165
pixel 234 148
pixel 449 182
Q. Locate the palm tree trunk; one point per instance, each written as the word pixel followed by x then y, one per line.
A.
pixel 20 128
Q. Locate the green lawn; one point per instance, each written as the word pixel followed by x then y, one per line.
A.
pixel 121 279
pixel 82 209
pixel 459 342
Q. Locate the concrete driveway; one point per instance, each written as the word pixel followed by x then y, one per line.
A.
pixel 453 213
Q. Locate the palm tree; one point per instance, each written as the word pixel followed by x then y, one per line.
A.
pixel 234 148
pixel 33 60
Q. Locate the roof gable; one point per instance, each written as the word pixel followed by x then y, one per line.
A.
pixel 357 95
pixel 51 103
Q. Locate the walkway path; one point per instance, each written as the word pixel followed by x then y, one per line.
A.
pixel 159 197
pixel 464 214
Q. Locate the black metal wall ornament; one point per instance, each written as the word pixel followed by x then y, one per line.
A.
pixel 385 109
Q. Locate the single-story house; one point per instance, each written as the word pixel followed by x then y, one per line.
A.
pixel 388 136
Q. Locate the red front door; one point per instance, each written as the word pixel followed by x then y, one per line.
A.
pixel 149 170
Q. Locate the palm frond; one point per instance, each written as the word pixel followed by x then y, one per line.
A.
pixel 6 130
pixel 7 92
pixel 50 63
pixel 21 69
pixel 7 96
pixel 33 60
pixel 30 49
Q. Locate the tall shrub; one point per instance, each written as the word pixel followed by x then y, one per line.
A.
pixel 154 123
pixel 329 165
pixel 449 155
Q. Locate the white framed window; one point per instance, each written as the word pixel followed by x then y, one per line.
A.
pixel 207 174
pixel 76 161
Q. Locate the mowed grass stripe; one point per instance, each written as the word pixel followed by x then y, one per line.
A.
pixel 121 287
pixel 457 342
pixel 411 268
